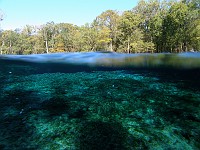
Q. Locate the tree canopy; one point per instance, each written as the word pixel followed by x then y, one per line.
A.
pixel 151 26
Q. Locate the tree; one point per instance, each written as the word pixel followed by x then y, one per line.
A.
pixel 193 31
pixel 103 35
pixel 156 25
pixel 175 28
pixel 108 20
pixel 89 36
pixel 25 42
pixel 151 26
pixel 2 41
pixel 147 11
pixel 151 21
pixel 9 40
pixel 66 37
pixel 48 35
pixel 129 29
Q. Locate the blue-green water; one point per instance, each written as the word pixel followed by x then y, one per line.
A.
pixel 100 101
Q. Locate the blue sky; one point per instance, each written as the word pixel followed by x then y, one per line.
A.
pixel 19 13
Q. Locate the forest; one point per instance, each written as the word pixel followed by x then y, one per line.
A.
pixel 153 26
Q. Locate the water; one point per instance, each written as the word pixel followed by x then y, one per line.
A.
pixel 88 101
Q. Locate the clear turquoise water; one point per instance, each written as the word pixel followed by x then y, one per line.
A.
pixel 88 101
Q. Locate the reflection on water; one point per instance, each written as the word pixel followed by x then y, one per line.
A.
pixel 98 59
pixel 87 101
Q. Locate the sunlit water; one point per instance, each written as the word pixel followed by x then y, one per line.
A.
pixel 100 101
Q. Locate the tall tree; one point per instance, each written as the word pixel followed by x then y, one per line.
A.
pixel 193 32
pixel 150 21
pixel 65 38
pixel 89 37
pixel 26 40
pixel 131 34
pixel 9 40
pixel 109 20
pixel 147 11
pixel 156 24
pixel 2 41
pixel 175 27
pixel 48 34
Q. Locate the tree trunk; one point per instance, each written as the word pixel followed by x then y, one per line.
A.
pixel 46 40
pixel 10 47
pixel 185 46
pixel 2 47
pixel 181 47
pixel 111 46
pixel 53 41
pixel 128 45
pixel 47 46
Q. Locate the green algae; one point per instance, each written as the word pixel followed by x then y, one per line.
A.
pixel 99 110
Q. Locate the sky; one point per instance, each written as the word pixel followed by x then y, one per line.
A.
pixel 18 13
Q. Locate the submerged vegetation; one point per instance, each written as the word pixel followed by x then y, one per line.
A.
pixel 151 26
pixel 99 110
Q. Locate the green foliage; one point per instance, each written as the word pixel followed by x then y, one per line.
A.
pixel 177 32
pixel 130 34
pixel 151 26
pixel 66 37
pixel 108 21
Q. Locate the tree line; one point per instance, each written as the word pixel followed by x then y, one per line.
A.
pixel 151 26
